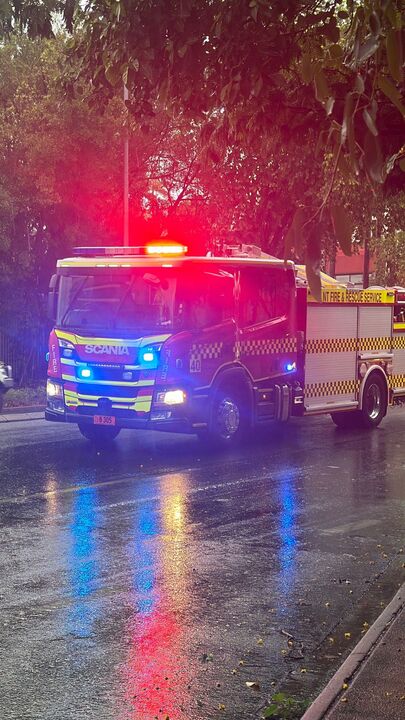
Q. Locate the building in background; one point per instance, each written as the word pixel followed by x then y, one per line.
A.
pixel 350 269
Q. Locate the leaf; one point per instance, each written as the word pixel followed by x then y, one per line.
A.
pixel 394 53
pixel 279 697
pixel 258 86
pixel 370 122
pixel 329 105
pixel 113 75
pixel 253 685
pixel 342 227
pixel 368 49
pixel 321 86
pixel 373 158
pixel 335 51
pixel 402 164
pixel 347 123
pixel 375 24
pixel 359 84
pixel 270 711
pixel 391 92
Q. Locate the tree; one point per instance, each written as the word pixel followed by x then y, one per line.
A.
pixel 255 74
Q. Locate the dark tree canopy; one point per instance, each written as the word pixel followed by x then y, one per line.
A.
pixel 310 88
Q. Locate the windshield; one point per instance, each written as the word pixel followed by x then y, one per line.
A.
pixel 145 299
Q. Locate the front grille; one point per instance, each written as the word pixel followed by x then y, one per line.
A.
pixel 111 373
pixel 119 391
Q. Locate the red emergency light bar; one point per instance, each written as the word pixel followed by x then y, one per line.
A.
pixel 165 248
pixel 158 247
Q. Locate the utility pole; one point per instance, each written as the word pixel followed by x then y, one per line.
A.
pixel 126 174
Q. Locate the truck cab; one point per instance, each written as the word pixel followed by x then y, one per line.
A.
pixel 154 338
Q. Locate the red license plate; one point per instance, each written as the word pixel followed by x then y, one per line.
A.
pixel 104 420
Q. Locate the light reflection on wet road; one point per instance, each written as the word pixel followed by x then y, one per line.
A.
pixel 154 579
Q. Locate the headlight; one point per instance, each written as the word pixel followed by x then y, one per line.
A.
pixel 171 397
pixel 54 390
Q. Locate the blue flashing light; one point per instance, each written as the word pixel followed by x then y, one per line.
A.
pixel 149 357
pixel 85 372
pixel 290 367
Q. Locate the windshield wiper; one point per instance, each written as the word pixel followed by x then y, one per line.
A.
pixel 121 302
pixel 73 300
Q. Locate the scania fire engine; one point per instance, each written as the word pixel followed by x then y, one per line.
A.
pixel 154 338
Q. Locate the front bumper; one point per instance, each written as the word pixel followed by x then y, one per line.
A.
pixel 175 424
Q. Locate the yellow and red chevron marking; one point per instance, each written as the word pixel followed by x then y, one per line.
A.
pixel 328 345
pixel 398 342
pixel 396 381
pixel 264 346
pixel 206 351
pixel 335 387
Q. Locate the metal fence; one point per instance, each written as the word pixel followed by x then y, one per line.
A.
pixel 25 350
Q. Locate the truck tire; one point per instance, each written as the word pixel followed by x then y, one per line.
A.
pixel 98 434
pixel 375 401
pixel 230 417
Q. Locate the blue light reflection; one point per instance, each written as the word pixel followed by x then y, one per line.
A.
pixel 83 564
pixel 144 560
pixel 287 526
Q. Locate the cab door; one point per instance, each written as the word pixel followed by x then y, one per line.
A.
pixel 266 344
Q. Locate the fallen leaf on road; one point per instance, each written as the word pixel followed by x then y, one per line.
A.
pixel 260 641
pixel 221 706
pixel 348 635
pixel 253 685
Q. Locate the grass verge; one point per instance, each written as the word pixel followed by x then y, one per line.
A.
pixel 25 396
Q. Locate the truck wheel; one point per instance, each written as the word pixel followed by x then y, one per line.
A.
pixel 99 434
pixel 230 417
pixel 375 402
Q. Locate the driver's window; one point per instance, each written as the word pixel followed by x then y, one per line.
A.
pixel 264 295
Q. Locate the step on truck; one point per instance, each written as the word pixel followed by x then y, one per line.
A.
pixel 154 338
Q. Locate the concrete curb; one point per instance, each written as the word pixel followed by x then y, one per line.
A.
pixel 328 695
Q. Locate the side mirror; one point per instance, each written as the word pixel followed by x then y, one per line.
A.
pixel 53 298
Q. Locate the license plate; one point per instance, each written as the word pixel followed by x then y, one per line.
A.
pixel 104 420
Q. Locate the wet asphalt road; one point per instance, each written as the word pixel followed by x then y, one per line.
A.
pixel 153 579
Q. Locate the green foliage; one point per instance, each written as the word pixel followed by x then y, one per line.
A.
pixel 286 109
pixel 284 707
pixel 319 83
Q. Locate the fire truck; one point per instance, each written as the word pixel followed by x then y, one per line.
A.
pixel 216 346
